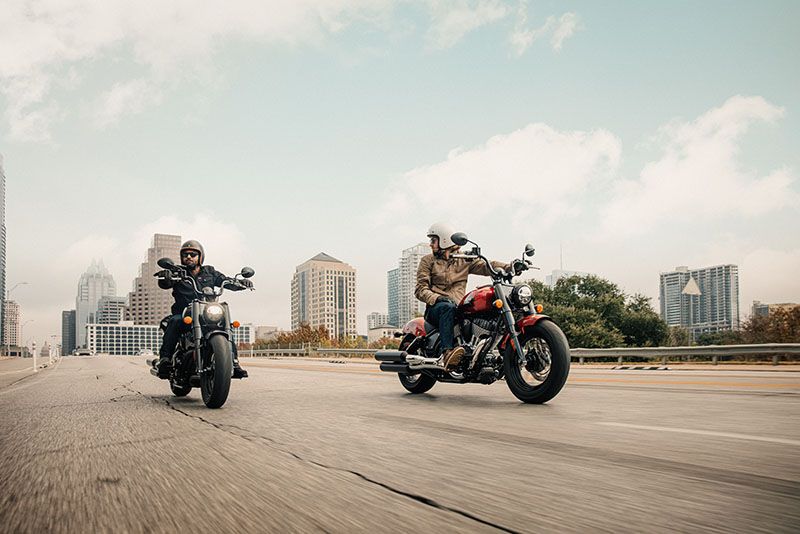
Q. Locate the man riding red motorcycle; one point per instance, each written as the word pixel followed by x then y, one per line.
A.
pixel 442 283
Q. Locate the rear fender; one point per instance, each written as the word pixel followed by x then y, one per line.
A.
pixel 415 327
pixel 526 321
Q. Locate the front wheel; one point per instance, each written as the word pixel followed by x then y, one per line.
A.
pixel 545 370
pixel 215 381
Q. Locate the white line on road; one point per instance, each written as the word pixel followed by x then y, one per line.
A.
pixel 707 433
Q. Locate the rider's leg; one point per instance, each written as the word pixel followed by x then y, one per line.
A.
pixel 238 372
pixel 443 315
pixel 168 343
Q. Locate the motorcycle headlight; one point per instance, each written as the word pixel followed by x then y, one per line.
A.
pixel 214 313
pixel 522 295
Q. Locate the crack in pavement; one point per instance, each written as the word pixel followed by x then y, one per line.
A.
pixel 247 435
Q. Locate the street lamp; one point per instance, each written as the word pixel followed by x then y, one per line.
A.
pixel 5 319
pixel 21 328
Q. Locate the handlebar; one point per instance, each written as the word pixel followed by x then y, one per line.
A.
pixel 184 276
pixel 501 273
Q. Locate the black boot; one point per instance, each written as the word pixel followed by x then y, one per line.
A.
pixel 163 366
pixel 238 372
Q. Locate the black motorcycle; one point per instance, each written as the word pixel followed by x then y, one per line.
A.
pixel 204 355
pixel 503 333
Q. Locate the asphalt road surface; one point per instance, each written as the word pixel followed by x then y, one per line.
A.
pixel 100 445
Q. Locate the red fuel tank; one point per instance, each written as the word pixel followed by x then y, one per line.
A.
pixel 478 300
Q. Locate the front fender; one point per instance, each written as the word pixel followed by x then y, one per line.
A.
pixel 526 321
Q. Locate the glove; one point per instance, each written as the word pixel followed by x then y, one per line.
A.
pixel 165 274
pixel 246 283
pixel 519 266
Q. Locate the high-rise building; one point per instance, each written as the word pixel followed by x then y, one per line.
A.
pixel 148 303
pixel 393 294
pixel 762 309
pixel 402 282
pixel 11 322
pixel 3 295
pixel 324 294
pixel 67 332
pixel 94 284
pixel 110 310
pixel 702 300
pixel 376 319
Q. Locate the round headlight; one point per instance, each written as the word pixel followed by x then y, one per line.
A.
pixel 523 295
pixel 214 313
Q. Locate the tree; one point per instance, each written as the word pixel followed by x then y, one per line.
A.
pixel 595 313
pixel 780 326
pixel 303 334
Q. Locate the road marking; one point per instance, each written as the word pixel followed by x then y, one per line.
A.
pixel 667 382
pixel 706 433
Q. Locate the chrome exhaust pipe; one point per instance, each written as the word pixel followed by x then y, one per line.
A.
pixel 419 362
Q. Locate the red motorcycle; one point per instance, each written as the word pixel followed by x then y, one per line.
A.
pixel 503 333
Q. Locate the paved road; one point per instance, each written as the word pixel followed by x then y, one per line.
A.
pixel 98 444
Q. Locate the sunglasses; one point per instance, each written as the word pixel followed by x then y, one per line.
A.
pixel 189 254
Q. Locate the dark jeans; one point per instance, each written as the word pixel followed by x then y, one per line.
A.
pixel 443 315
pixel 175 327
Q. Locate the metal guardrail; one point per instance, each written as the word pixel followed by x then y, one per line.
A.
pixel 776 350
pixel 715 352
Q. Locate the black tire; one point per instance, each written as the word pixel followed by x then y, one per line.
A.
pixel 417 383
pixel 180 391
pixel 216 383
pixel 546 339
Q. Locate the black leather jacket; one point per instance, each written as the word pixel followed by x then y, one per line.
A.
pixel 184 292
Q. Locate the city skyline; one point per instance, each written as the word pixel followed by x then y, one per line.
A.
pixel 639 137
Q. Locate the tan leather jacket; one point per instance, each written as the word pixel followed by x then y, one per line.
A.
pixel 437 277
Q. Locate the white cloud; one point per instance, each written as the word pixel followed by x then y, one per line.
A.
pixel 45 42
pixel 566 28
pixel 451 21
pixel 127 98
pixel 534 168
pixel 699 176
pixel 559 29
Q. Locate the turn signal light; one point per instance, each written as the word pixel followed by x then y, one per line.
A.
pixel 187 320
pixel 236 324
pixel 539 308
pixel 498 304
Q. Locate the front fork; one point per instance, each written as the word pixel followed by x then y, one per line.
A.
pixel 198 335
pixel 509 318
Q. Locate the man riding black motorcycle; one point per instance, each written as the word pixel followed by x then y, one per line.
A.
pixel 192 256
pixel 441 284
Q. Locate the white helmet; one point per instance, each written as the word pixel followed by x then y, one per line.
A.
pixel 444 232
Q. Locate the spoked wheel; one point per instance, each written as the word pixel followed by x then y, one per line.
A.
pixel 215 381
pixel 416 383
pixel 546 365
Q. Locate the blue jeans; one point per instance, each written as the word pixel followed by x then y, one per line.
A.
pixel 443 316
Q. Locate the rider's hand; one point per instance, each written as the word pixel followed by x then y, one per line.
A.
pixel 519 266
pixel 246 283
pixel 165 274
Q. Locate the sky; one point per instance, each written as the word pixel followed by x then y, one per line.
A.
pixel 633 136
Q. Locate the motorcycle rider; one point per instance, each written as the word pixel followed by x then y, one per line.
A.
pixel 441 284
pixel 192 256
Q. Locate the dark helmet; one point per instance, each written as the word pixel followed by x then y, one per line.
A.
pixel 197 247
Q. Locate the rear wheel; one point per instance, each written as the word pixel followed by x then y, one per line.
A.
pixel 416 383
pixel 215 381
pixel 546 365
